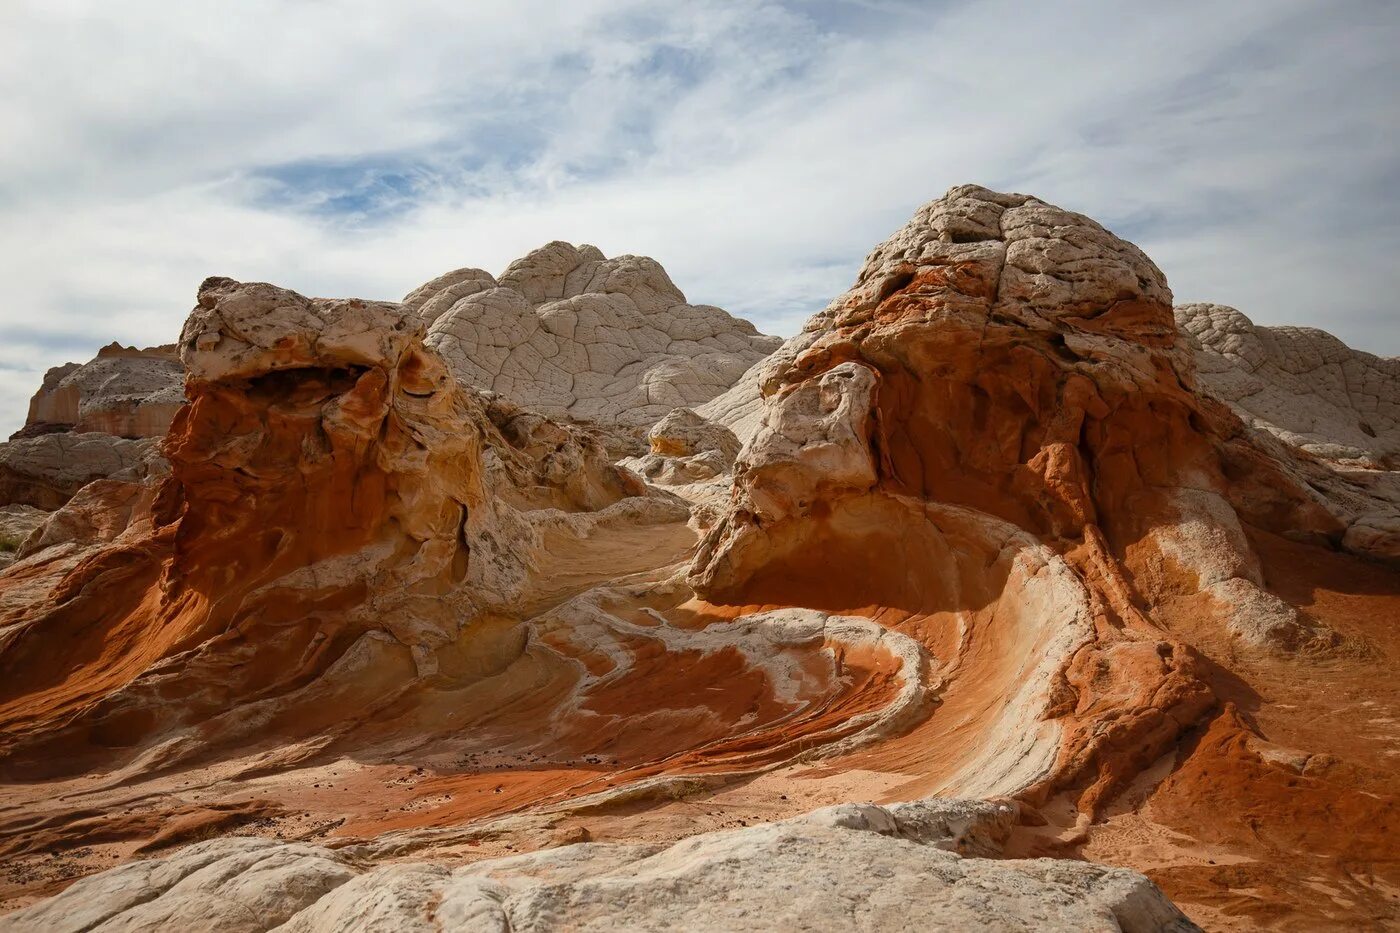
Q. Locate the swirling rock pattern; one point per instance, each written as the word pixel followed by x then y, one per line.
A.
pixel 353 552
pixel 389 621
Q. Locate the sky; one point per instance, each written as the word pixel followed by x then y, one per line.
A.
pixel 757 149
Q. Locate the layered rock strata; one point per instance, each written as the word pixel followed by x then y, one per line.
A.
pixel 996 525
pixel 122 391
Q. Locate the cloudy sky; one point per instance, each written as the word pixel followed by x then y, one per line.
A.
pixel 758 149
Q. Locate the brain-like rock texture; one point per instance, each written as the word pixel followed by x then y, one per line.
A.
pixel 1006 378
pixel 122 391
pixel 572 334
pixel 999 533
pixel 1300 384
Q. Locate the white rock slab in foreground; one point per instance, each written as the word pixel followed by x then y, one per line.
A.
pixel 849 867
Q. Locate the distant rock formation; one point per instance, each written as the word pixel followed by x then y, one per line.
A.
pixel 1300 384
pixel 92 421
pixel 631 346
pixel 46 470
pixel 685 448
pixel 572 334
pixel 123 391
pixel 1320 397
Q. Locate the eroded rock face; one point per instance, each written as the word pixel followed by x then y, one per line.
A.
pixel 329 482
pixel 17 523
pixel 1019 362
pixel 45 471
pixel 686 448
pixel 92 421
pixel 351 549
pixel 988 528
pixel 572 334
pixel 1328 409
pixel 122 391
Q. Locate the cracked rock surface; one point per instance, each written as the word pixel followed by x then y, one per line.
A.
pixel 570 333
pixel 1301 384
pixel 46 471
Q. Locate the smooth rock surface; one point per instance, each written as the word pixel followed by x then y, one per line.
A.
pixel 853 867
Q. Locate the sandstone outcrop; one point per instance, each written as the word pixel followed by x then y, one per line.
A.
pixel 1009 371
pixel 1319 397
pixel 572 334
pixel 685 448
pixel 45 471
pixel 865 867
pixel 1300 384
pixel 17 523
pixel 122 391
pixel 326 459
pixel 92 421
pixel 998 533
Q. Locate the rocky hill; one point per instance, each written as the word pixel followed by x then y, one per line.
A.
pixel 572 334
pixel 1003 596
pixel 123 391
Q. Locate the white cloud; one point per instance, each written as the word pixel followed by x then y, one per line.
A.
pixel 758 150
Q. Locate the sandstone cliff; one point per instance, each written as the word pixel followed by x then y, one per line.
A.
pixel 122 391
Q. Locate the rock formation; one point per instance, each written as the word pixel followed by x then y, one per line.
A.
pixel 1302 385
pixel 572 334
pixel 17 523
pixel 739 879
pixel 685 448
pixel 999 542
pixel 88 422
pixel 45 471
pixel 565 332
pixel 122 391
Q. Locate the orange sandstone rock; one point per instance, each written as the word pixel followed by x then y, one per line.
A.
pixel 999 528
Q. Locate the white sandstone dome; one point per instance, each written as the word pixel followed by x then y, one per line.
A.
pixel 572 334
